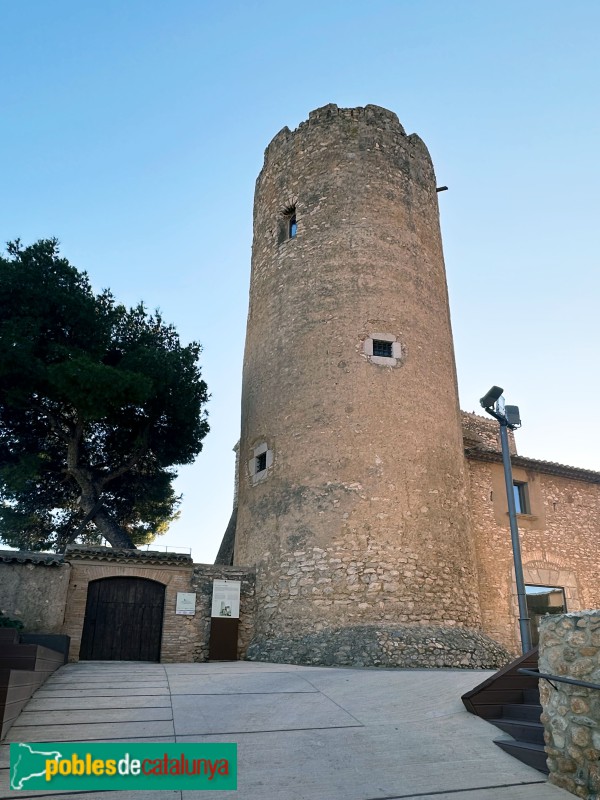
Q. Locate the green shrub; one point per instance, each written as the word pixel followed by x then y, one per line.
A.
pixel 7 622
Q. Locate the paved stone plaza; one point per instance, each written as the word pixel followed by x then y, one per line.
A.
pixel 303 733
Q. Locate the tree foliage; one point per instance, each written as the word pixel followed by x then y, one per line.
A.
pixel 97 403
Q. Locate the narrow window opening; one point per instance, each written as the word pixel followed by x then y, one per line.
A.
pixel 521 494
pixel 261 462
pixel 287 225
pixel 381 348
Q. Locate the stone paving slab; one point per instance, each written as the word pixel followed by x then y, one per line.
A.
pixel 53 703
pixel 101 675
pixel 231 668
pixel 126 674
pixel 113 683
pixel 194 714
pixel 403 694
pixel 118 666
pixel 128 680
pixel 238 683
pixel 110 692
pixel 114 668
pixel 89 731
pixel 75 717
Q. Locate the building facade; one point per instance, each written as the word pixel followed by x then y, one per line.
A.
pixel 559 525
pixel 370 522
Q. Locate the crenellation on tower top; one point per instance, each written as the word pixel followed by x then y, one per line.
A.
pixel 372 116
pixel 371 113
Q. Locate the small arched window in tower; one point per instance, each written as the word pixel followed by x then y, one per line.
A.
pixel 292 226
pixel 288 225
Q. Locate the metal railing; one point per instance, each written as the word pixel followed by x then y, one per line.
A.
pixel 162 548
pixel 560 678
pixel 166 548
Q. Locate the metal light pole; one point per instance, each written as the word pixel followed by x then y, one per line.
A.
pixel 508 417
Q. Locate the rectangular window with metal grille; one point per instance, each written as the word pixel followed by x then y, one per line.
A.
pixel 261 462
pixel 381 348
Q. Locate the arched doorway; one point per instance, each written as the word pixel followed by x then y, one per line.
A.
pixel 123 620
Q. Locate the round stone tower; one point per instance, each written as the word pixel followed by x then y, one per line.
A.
pixel 351 497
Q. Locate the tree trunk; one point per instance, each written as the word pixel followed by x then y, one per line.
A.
pixel 112 532
pixel 95 512
pixel 91 497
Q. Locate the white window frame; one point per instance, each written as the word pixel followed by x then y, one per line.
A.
pixel 384 361
pixel 255 475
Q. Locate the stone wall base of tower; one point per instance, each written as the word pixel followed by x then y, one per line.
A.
pixel 384 646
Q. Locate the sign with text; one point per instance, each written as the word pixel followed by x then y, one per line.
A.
pixel 54 767
pixel 186 603
pixel 226 598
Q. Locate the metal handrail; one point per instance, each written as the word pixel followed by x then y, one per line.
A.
pixel 559 678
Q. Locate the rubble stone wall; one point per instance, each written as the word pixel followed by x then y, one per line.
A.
pixel 35 593
pixel 422 646
pixel 570 647
pixel 201 583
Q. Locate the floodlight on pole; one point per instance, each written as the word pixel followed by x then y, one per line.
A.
pixel 509 417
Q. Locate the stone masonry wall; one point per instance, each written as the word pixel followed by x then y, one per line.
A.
pixel 423 646
pixel 355 579
pixel 360 516
pixel 559 542
pixel 421 614
pixel 570 647
pixel 35 593
pixel 201 582
pixel 484 433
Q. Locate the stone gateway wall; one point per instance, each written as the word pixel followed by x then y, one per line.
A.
pixel 202 581
pixel 170 569
pixel 48 593
pixel 33 589
pixel 570 647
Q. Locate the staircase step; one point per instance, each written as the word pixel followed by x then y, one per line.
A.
pixel 531 696
pixel 511 701
pixel 523 730
pixel 529 753
pixel 529 711
pixel 9 636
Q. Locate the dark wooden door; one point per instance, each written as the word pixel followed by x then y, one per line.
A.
pixel 223 640
pixel 123 620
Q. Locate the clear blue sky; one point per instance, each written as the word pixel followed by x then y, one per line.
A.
pixel 134 131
